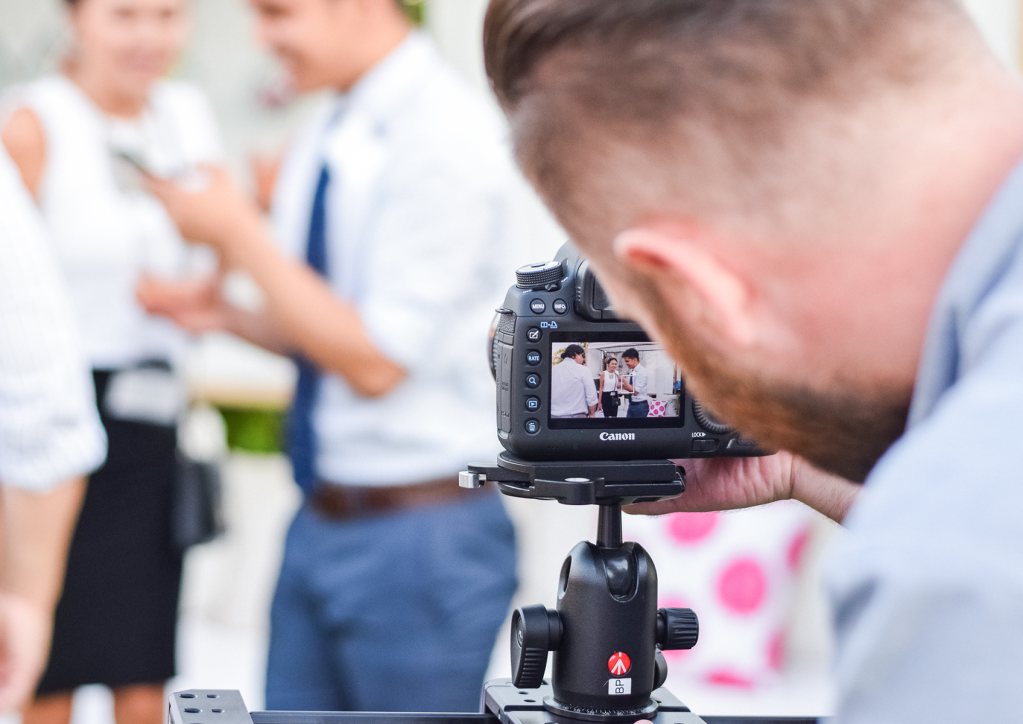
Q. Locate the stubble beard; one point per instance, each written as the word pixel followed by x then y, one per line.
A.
pixel 841 431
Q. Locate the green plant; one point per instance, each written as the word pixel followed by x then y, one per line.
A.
pixel 253 429
pixel 414 9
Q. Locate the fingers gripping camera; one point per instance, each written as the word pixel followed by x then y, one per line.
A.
pixel 575 382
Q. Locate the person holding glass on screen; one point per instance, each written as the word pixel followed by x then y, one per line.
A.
pixel 610 383
pixel 637 382
pixel 573 393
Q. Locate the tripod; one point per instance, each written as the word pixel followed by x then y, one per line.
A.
pixel 607 633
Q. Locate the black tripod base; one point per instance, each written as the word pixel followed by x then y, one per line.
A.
pixel 512 705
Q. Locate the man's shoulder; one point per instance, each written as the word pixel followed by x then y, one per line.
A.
pixel 582 371
pixel 445 115
pixel 951 475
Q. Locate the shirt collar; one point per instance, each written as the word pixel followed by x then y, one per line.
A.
pixel 380 91
pixel 995 239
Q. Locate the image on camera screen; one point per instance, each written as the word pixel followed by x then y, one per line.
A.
pixel 613 380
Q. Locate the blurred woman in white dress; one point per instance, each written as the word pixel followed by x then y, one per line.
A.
pixel 80 139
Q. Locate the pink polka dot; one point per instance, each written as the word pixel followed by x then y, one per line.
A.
pixel 776 650
pixel 689 528
pixel 672 600
pixel 676 654
pixel 742 585
pixel 797 547
pixel 725 677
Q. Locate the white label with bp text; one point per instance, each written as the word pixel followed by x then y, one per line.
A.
pixel 619 687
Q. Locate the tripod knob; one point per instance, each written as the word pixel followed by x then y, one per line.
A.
pixel 535 632
pixel 677 628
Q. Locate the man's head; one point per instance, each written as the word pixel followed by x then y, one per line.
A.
pixel 767 186
pixel 329 43
pixel 631 358
pixel 575 353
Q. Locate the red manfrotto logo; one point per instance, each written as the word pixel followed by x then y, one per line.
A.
pixel 619 663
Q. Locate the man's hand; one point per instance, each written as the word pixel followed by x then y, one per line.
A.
pixel 196 305
pixel 730 483
pixel 302 312
pixel 25 630
pixel 217 214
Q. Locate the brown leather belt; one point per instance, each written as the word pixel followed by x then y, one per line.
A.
pixel 348 502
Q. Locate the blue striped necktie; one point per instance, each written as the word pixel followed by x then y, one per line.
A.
pixel 301 434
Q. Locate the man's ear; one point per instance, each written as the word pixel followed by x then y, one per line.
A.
pixel 692 279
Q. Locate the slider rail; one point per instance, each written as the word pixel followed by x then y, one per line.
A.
pixel 225 706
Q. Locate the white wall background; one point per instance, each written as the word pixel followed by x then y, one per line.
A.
pixel 1001 22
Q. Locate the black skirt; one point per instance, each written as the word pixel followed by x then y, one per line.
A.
pixel 115 622
pixel 609 403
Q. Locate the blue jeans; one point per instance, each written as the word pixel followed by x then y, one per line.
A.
pixel 393 613
pixel 638 409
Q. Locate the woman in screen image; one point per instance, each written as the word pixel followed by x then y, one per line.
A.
pixel 573 394
pixel 610 384
pixel 79 139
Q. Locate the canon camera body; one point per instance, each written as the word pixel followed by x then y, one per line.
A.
pixel 576 382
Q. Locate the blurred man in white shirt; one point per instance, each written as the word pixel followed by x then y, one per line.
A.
pixel 637 382
pixel 50 437
pixel 573 393
pixel 396 195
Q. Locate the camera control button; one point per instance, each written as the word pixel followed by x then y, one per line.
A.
pixel 538 306
pixel 532 404
pixel 534 334
pixel 532 426
pixel 533 357
pixel 560 306
pixel 705 445
pixel 532 380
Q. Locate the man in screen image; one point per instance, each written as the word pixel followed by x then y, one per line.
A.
pixel 573 393
pixel 637 382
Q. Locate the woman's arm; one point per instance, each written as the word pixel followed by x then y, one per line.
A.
pixel 36 531
pixel 25 141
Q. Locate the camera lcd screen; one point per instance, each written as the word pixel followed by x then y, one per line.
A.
pixel 613 380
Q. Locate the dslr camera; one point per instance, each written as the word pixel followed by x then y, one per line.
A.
pixel 577 382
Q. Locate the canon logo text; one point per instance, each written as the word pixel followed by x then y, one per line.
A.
pixel 617 436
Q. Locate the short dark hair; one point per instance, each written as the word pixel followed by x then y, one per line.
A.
pixel 573 350
pixel 720 83
pixel 631 353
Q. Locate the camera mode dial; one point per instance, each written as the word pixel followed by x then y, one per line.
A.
pixel 677 628
pixel 535 633
pixel 545 275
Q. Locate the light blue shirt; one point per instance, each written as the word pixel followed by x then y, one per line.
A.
pixel 927 588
